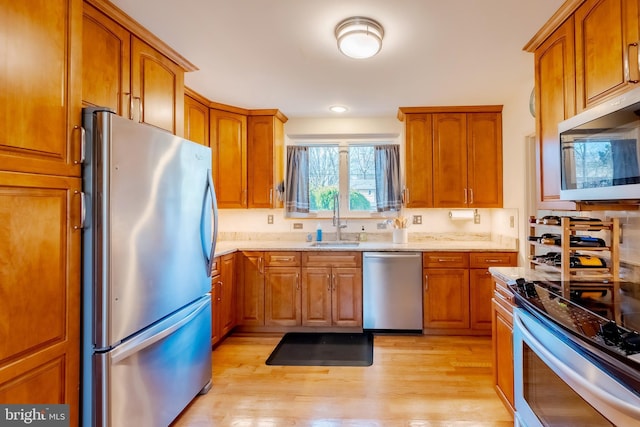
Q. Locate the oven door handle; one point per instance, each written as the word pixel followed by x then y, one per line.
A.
pixel 567 372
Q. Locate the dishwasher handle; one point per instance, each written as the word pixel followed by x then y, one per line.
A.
pixel 409 255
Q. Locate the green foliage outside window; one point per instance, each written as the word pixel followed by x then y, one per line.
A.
pixel 322 199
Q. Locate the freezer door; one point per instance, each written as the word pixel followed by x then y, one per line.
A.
pixel 152 225
pixel 149 379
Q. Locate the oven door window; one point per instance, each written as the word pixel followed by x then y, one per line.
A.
pixel 552 400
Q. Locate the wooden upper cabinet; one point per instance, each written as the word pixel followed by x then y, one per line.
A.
pixel 106 59
pixel 418 161
pixel 157 87
pixel 228 138
pixel 129 70
pixel 450 160
pixel 453 156
pixel 555 102
pixel 41 86
pixel 196 119
pixel 484 160
pixel 265 155
pixel 605 61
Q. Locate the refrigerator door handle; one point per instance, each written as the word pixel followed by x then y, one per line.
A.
pixel 152 336
pixel 203 227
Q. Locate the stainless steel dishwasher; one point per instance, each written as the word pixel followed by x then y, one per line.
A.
pixel 392 291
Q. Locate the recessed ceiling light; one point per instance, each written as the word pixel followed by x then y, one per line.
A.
pixel 338 108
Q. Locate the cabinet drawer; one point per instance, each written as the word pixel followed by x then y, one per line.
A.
pixel 282 259
pixel 445 259
pixel 492 259
pixel 504 296
pixel 331 259
pixel 215 267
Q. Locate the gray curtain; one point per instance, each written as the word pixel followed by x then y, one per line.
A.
pixel 297 182
pixel 388 191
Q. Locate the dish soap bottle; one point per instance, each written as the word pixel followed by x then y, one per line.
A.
pixel 363 236
pixel 319 233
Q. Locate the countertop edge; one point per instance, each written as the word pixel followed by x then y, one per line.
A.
pixel 227 247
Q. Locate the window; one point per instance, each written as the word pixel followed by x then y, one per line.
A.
pixel 368 172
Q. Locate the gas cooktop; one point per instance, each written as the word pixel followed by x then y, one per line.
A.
pixel 603 314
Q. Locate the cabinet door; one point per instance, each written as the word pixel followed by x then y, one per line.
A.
pixel 40 289
pixel 450 160
pixel 481 289
pixel 346 297
pixel 603 31
pixel 446 298
pixel 157 84
pixel 228 294
pixel 484 160
pixel 316 296
pixel 502 333
pixel 265 154
pixel 555 102
pixel 216 305
pixel 282 296
pixel 251 289
pixel 40 83
pixel 228 138
pixel 106 63
pixel 419 161
pixel 196 121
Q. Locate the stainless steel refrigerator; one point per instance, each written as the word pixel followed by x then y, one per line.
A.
pixel 148 241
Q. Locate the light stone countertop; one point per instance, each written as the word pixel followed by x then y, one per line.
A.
pixel 229 246
pixel 512 273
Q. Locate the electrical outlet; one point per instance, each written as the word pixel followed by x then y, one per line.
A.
pixel 476 218
pixel 417 219
pixel 512 221
pixel 269 219
pixel 297 226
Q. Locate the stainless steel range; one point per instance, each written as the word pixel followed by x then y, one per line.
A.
pixel 577 353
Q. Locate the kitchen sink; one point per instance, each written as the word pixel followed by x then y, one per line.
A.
pixel 335 244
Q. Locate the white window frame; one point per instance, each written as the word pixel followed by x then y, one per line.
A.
pixel 343 143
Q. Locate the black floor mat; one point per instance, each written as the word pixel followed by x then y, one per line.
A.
pixel 323 349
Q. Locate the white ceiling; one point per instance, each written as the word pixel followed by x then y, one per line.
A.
pixel 282 53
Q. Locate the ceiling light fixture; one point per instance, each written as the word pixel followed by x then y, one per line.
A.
pixel 338 108
pixel 359 37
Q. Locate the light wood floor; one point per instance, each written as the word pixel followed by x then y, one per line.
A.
pixel 414 381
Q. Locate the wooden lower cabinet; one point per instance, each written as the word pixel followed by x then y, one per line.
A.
pixel 269 289
pixel 502 336
pixel 332 289
pixel 446 298
pixel 250 307
pixel 458 289
pixel 40 290
pixel 282 296
pixel 223 298
pixel 332 296
pixel 481 292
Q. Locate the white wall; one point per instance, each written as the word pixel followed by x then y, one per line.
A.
pixel 517 125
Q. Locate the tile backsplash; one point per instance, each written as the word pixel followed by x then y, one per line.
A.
pixel 435 224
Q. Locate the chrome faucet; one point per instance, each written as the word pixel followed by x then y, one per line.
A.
pixel 336 216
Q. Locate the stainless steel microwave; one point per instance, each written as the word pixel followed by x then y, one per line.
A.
pixel 599 151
